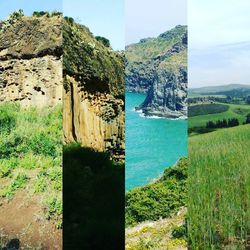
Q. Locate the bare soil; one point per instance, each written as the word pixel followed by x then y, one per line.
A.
pixel 22 220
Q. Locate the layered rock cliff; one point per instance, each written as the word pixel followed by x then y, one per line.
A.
pixel 93 96
pixel 30 61
pixel 158 67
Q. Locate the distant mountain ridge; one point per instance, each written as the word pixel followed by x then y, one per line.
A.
pixel 158 67
pixel 231 90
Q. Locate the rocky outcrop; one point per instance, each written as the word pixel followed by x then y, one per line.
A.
pixel 158 67
pixel 30 61
pixel 93 113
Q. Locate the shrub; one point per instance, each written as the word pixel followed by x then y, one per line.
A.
pixel 7 121
pixel 70 20
pixel 179 232
pixel 42 143
pixel 103 40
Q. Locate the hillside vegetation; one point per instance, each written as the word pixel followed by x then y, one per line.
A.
pixel 31 156
pixel 219 189
pixel 158 199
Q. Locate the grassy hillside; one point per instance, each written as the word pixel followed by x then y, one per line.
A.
pixel 149 48
pixel 31 157
pixel 234 111
pixel 159 199
pixel 219 189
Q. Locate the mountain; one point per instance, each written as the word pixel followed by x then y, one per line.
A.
pixel 93 92
pixel 31 60
pixel 158 67
pixel 217 89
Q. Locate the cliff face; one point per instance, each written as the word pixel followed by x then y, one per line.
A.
pixel 158 67
pixel 30 61
pixel 93 113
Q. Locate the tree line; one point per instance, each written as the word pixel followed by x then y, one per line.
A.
pixel 231 122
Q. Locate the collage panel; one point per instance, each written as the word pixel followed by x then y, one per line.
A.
pixel 218 125
pixel 31 125
pixel 93 125
pixel 156 124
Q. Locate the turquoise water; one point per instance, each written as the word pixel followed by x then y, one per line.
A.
pixel 152 145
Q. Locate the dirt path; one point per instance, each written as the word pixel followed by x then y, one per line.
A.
pixel 23 219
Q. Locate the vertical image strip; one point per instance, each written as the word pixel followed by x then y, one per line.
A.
pixel 30 125
pixel 218 125
pixel 93 125
pixel 156 124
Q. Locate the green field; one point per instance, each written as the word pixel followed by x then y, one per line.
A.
pixel 234 111
pixel 31 156
pixel 219 188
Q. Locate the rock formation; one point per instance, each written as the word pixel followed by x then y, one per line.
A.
pixel 158 67
pixel 93 113
pixel 30 61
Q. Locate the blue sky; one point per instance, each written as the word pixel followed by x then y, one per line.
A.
pixel 149 18
pixel 28 6
pixel 219 42
pixel 103 17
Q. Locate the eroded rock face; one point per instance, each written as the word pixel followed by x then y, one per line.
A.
pixel 93 120
pixel 31 63
pixel 93 113
pixel 31 82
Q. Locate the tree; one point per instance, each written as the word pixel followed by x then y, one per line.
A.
pixel 248 119
pixel 103 40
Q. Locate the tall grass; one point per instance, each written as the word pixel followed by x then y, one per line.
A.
pixel 219 189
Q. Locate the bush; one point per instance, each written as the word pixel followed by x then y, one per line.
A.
pixel 179 232
pixel 42 143
pixel 7 121
pixel 41 13
pixel 103 40
pixel 70 20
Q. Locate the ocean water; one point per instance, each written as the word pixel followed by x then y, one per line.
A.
pixel 152 144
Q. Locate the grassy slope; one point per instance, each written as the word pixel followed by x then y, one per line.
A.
pixel 159 199
pixel 232 112
pixel 219 188
pixel 30 154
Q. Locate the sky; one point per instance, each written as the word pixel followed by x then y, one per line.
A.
pixel 219 42
pixel 103 18
pixel 28 6
pixel 149 18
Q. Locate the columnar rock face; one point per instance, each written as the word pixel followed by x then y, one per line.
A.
pixel 93 97
pixel 158 67
pixel 30 61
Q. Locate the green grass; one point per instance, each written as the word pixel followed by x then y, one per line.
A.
pixel 234 111
pixel 159 199
pixel 31 151
pixel 219 189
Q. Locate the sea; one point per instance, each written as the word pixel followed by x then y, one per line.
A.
pixel 152 144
